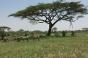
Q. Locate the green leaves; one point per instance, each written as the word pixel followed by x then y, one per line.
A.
pixel 51 13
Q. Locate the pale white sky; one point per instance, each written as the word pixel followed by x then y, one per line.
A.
pixel 10 6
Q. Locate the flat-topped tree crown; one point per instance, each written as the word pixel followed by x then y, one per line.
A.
pixel 4 28
pixel 51 13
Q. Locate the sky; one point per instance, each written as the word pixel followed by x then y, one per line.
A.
pixel 8 7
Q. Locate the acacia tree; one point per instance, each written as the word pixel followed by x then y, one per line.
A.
pixel 2 31
pixel 51 13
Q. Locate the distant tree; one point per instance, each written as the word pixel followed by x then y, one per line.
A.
pixel 3 30
pixel 21 30
pixel 26 33
pixel 51 13
pixel 85 29
pixel 72 33
pixel 54 29
pixel 63 33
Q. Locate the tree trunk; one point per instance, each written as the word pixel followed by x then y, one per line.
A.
pixel 2 36
pixel 49 30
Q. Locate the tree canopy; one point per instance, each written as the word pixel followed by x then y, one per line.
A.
pixel 51 13
pixel 4 28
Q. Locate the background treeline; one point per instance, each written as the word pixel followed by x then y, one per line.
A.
pixel 22 35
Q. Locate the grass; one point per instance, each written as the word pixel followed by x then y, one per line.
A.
pixel 51 47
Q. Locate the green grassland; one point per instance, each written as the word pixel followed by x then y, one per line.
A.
pixel 49 47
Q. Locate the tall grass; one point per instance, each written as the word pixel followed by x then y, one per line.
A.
pixel 51 47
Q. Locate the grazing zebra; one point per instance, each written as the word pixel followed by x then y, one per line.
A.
pixel 35 36
pixel 22 38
